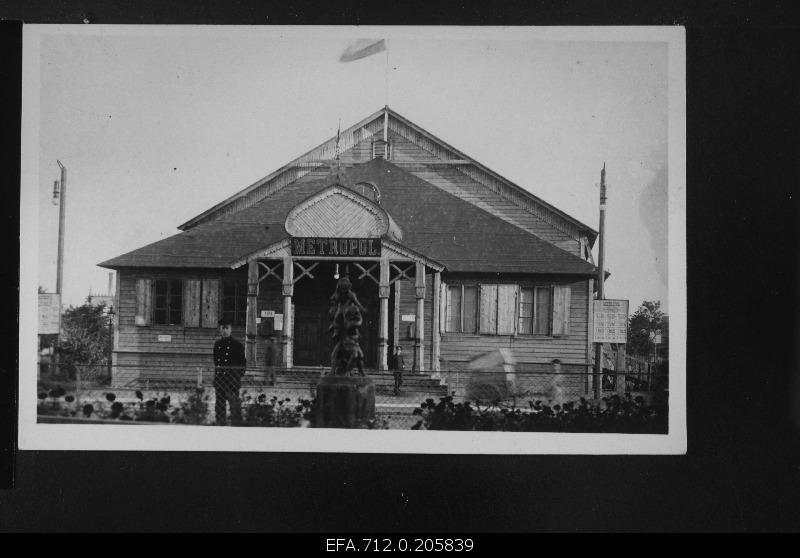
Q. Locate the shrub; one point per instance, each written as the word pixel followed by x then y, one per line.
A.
pixel 277 412
pixel 614 414
pixel 192 411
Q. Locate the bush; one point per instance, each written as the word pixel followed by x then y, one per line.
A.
pixel 192 411
pixel 259 411
pixel 614 414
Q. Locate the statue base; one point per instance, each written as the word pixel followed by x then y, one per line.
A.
pixel 345 402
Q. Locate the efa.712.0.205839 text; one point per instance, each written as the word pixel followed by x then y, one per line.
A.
pixel 387 544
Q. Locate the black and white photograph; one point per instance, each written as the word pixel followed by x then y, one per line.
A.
pixel 432 239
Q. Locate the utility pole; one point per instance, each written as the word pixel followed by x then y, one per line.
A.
pixel 598 352
pixel 61 207
pixel 62 199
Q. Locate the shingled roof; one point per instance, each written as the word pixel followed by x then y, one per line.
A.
pixel 513 195
pixel 447 229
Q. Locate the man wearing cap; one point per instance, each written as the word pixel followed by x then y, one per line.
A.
pixel 229 367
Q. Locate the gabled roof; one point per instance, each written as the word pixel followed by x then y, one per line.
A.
pixel 372 125
pixel 443 227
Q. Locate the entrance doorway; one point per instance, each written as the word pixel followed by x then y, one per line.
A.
pixel 312 340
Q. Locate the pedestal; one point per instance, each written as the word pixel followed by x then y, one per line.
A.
pixel 345 402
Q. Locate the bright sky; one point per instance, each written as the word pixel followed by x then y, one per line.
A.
pixel 157 124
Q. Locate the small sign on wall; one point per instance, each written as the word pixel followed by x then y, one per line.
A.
pixel 279 322
pixel 268 313
pixel 408 318
pixel 164 338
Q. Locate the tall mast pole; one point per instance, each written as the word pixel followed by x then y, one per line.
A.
pixel 62 199
pixel 62 202
pixel 598 352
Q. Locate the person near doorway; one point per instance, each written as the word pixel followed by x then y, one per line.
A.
pixel 271 358
pixel 398 367
pixel 229 367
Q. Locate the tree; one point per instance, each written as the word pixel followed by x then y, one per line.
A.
pixel 643 325
pixel 85 337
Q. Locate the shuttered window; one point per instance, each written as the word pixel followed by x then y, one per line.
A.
pixel 234 301
pixel 488 309
pixel 168 306
pixel 544 310
pixel 144 302
pixel 507 309
pixel 462 309
pixel 561 306
pixel 470 312
pixel 498 309
pixel 191 302
pixel 209 308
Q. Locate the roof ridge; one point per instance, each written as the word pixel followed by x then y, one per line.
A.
pixel 386 112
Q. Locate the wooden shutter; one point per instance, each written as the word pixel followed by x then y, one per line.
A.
pixel 506 312
pixel 191 302
pixel 209 310
pixel 488 311
pixel 561 303
pixel 144 301
pixel 444 306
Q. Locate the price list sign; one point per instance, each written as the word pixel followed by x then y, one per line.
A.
pixel 610 321
pixel 49 310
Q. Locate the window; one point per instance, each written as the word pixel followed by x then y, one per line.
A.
pixel 168 302
pixel 462 309
pixel 234 301
pixel 543 312
pixel 497 309
pixel 534 311
pixel 381 149
pixel 369 191
pixel 525 312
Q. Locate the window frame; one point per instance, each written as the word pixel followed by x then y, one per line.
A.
pixel 448 309
pixel 236 297
pixel 535 288
pixel 170 282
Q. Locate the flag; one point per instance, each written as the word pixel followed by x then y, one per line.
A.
pixel 362 48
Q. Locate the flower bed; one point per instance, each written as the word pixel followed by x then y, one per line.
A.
pixel 612 415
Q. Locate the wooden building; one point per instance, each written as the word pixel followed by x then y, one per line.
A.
pixel 450 259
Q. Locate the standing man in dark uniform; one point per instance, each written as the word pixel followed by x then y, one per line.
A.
pixel 229 367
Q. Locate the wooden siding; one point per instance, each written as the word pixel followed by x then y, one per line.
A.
pixel 184 339
pixel 457 349
pixel 336 215
pixel 408 305
pixel 190 347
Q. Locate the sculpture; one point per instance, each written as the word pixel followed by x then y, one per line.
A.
pixel 345 317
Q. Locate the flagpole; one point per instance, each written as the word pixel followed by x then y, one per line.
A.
pixel 387 76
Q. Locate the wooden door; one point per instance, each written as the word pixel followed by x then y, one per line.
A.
pixel 311 341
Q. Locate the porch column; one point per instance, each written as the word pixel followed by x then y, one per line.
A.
pixel 288 291
pixel 436 333
pixel 252 312
pixel 419 327
pixel 383 331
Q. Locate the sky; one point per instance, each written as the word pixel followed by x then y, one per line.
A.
pixel 157 124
